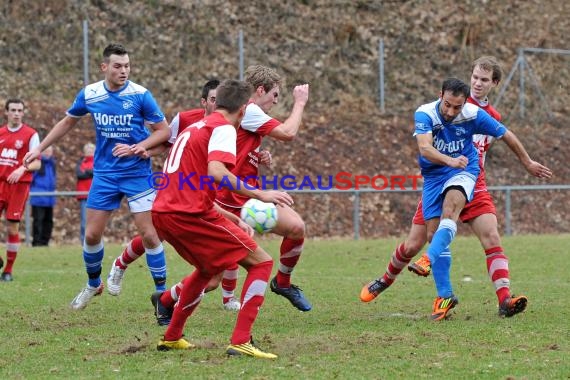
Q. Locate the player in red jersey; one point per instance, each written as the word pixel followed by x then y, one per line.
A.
pixel 185 215
pixel 16 139
pixel 255 125
pixel 185 118
pixel 228 278
pixel 135 248
pixel 480 213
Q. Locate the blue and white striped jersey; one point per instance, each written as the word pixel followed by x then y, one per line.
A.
pixel 119 117
pixel 454 138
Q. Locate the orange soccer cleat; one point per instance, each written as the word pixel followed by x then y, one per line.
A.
pixel 372 290
pixel 422 267
pixel 512 305
pixel 442 306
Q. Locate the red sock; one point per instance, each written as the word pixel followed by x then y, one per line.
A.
pixel 498 268
pixel 229 282
pixel 12 247
pixel 133 251
pixel 252 297
pixel 192 293
pixel 290 253
pixel 397 263
pixel 170 297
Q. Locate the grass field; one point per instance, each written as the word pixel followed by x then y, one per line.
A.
pixel 115 337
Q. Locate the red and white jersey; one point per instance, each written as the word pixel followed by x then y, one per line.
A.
pixel 187 187
pixel 255 124
pixel 14 144
pixel 483 142
pixel 184 119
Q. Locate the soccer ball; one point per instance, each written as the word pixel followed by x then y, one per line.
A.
pixel 261 216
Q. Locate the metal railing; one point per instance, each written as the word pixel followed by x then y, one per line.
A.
pixel 28 210
pixel 507 189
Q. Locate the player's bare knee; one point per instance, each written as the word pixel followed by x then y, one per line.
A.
pixel 150 238
pixel 412 247
pixel 256 257
pixel 490 239
pixel 296 230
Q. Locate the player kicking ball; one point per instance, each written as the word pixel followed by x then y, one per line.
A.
pixel 207 237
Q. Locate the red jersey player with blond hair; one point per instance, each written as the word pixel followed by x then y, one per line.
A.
pixel 16 139
pixel 185 215
pixel 255 125
pixel 480 213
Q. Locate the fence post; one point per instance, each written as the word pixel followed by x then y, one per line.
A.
pixel 381 74
pixel 508 226
pixel 27 217
pixel 85 53
pixel 240 52
pixel 356 215
pixel 521 83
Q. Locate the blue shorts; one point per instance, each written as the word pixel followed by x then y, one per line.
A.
pixel 106 193
pixel 434 187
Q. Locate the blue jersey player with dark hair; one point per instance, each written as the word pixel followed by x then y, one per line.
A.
pixel 122 113
pixel 449 163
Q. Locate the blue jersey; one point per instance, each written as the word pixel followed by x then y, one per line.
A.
pixel 454 138
pixel 119 117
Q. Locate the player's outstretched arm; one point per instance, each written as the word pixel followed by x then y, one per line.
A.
pixel 288 129
pixel 533 167
pixel 60 129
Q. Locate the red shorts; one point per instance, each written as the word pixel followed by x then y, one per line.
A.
pixel 482 203
pixel 13 199
pixel 233 209
pixel 209 241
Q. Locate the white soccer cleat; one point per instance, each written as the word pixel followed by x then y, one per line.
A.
pixel 85 296
pixel 232 305
pixel 115 280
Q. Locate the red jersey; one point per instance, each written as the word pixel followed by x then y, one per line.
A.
pixel 255 124
pixel 188 189
pixel 184 119
pixel 483 142
pixel 14 144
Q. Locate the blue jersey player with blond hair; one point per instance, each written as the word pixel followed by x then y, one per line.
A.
pixel 122 113
pixel 449 163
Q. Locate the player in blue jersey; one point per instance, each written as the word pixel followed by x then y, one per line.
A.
pixel 121 111
pixel 449 163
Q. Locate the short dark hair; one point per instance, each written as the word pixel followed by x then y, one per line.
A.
pixel 233 94
pixel 456 87
pixel 210 85
pixel 13 100
pixel 116 49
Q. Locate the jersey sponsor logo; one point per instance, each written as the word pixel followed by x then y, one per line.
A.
pixel 253 158
pixel 451 148
pixel 9 153
pixel 106 119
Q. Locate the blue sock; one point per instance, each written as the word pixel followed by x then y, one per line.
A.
pixel 93 256
pixel 440 271
pixel 440 256
pixel 156 262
